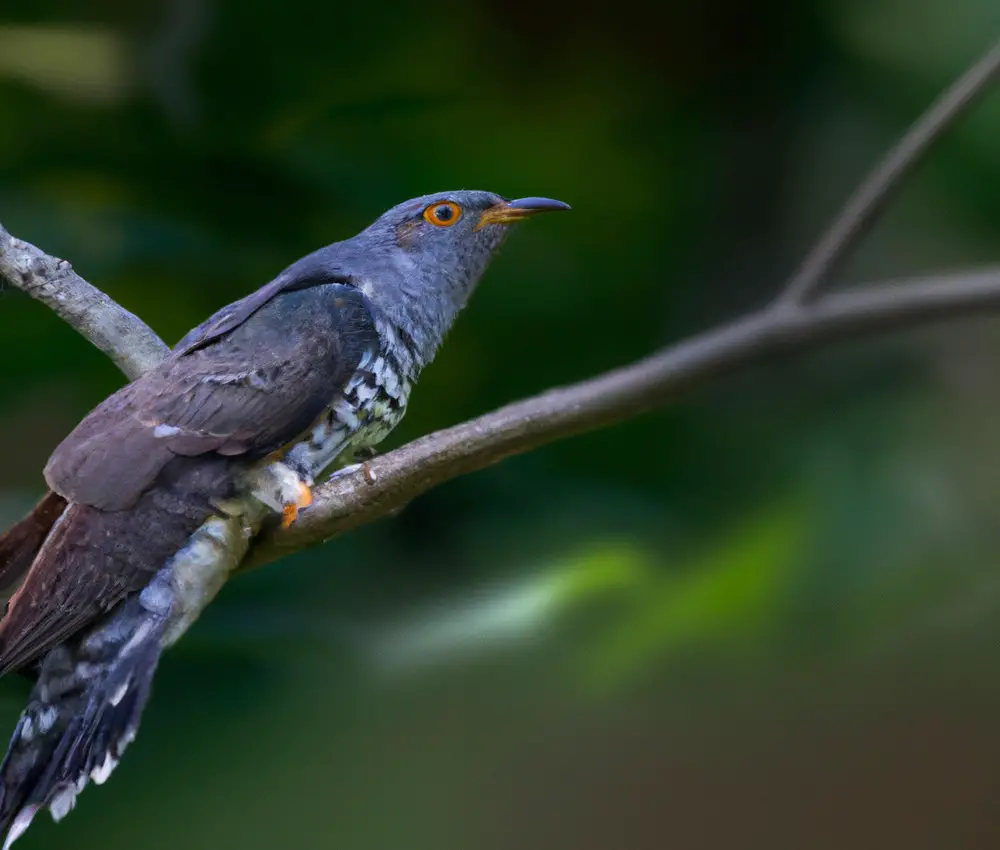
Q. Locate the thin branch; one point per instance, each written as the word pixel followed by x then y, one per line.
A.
pixel 870 198
pixel 390 481
pixel 123 336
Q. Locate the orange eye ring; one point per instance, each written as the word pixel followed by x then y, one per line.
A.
pixel 443 213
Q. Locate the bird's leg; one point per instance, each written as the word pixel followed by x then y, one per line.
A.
pixel 283 488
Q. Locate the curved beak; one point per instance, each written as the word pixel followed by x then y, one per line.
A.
pixel 507 212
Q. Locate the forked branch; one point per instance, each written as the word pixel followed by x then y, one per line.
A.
pixel 800 318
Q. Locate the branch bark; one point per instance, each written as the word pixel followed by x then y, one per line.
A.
pixel 877 189
pixel 800 318
pixel 123 336
pixel 392 480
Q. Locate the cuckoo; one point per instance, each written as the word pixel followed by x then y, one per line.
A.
pixel 306 374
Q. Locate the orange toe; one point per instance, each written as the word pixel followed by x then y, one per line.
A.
pixel 291 512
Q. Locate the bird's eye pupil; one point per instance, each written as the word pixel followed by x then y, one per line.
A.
pixel 444 213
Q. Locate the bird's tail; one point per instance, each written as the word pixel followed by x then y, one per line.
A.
pixel 91 689
pixel 83 712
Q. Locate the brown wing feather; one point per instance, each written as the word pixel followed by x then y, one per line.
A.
pixel 186 427
pixel 20 543
pixel 247 394
pixel 92 559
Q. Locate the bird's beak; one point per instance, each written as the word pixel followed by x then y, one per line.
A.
pixel 507 212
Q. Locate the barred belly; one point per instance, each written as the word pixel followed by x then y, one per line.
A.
pixel 370 406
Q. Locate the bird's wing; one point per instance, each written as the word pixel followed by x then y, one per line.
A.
pixel 246 393
pixel 140 471
pixel 312 270
pixel 20 543
pixel 93 559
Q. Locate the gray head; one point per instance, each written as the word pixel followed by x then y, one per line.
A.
pixel 420 261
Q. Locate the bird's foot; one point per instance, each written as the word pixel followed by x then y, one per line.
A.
pixel 361 457
pixel 344 470
pixel 283 489
pixel 290 512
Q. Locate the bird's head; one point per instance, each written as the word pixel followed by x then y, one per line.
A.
pixel 455 230
pixel 421 260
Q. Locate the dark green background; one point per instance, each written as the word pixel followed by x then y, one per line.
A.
pixel 764 617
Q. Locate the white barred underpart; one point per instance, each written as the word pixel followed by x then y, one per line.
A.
pixel 372 404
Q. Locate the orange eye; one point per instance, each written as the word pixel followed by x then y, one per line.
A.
pixel 444 214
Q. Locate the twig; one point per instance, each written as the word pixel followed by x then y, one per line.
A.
pixel 871 197
pixel 394 479
pixel 123 336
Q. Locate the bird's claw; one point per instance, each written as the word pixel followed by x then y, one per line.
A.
pixel 344 471
pixel 290 512
pixel 283 489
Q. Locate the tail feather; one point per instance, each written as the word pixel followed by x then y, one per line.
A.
pixel 84 711
pixel 92 687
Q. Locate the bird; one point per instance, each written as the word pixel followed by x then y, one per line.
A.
pixel 303 376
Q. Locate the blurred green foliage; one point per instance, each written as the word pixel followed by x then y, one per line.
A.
pixel 725 596
pixel 697 629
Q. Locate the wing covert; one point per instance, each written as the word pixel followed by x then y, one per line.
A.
pixel 248 392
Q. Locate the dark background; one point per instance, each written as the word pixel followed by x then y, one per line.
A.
pixel 765 617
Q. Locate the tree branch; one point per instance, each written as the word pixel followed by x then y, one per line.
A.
pixel 877 189
pixel 797 320
pixel 123 336
pixel 390 481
